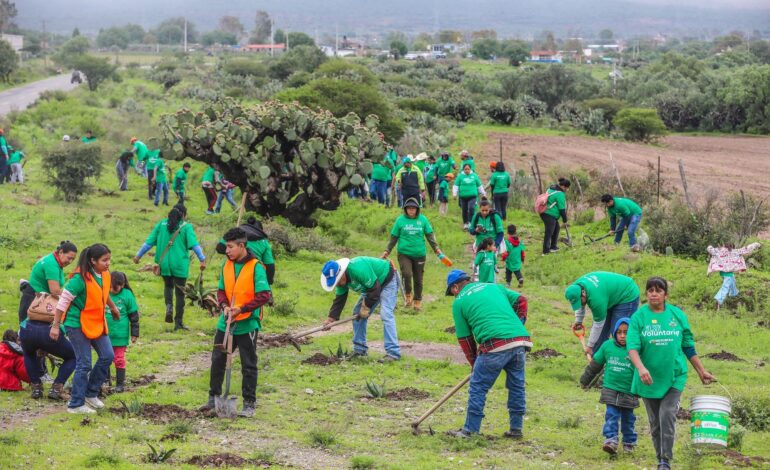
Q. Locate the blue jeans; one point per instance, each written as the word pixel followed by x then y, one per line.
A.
pixel 387 304
pixel 161 187
pixel 87 381
pixel 485 372
pixel 627 420
pixel 379 191
pixel 225 194
pixel 631 223
pixel 35 335
pixel 613 315
pixel 728 289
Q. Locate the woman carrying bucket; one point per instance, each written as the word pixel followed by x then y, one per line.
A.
pixel 659 342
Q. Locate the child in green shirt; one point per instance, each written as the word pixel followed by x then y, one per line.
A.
pixel 485 261
pixel 124 328
pixel 443 193
pixel 513 257
pixel 616 389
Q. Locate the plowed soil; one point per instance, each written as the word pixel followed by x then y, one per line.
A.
pixel 408 393
pixel 161 414
pixel 319 359
pixel 724 356
pixel 225 460
pixel 546 353
pixel 278 341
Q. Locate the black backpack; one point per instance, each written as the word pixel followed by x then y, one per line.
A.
pixel 492 214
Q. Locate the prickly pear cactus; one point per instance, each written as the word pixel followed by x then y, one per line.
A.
pixel 290 159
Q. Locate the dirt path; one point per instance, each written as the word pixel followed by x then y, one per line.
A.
pixel 722 163
pixel 19 98
pixel 431 351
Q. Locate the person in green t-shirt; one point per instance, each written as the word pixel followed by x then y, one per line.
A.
pixel 410 232
pixel 485 262
pixel 5 155
pixel 376 280
pixel 173 238
pixel 160 179
pixel 610 297
pixel 124 162
pixel 616 389
pixel 258 244
pixel 16 168
pixel 208 184
pixel 443 192
pixel 630 215
pixel 125 327
pixel 500 183
pixel 47 276
pixel 486 223
pixel 179 181
pixel 468 187
pixel 556 206
pixel 431 180
pixel 467 159
pixel 242 293
pixel 659 344
pixel 445 165
pixel 513 257
pixel 89 138
pixel 493 317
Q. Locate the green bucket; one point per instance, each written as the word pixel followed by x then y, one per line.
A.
pixel 710 420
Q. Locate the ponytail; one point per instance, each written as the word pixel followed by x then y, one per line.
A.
pixel 175 217
pixel 119 278
pixel 66 246
pixel 95 251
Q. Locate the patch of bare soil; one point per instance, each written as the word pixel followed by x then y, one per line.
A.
pixel 162 414
pixel 721 163
pixel 736 458
pixel 423 351
pixel 724 356
pixel 319 359
pixel 173 436
pixel 451 330
pixel 408 393
pixel 191 365
pixel 279 341
pixel 225 460
pixel 683 414
pixel 546 353
pixel 142 380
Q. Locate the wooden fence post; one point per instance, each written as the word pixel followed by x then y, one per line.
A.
pixel 580 188
pixel 658 179
pixel 684 185
pixel 539 178
pixel 617 175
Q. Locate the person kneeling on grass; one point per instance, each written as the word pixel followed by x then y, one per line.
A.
pixel 243 291
pixel 377 282
pixel 12 370
pixel 494 317
pixel 616 389
pixel 726 260
pixel 127 326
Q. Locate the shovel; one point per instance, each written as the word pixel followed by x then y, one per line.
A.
pixel 594 240
pixel 293 339
pixel 225 405
pixel 416 423
pixel 569 238
pixel 581 335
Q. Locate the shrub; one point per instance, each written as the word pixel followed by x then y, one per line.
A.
pixel 609 106
pixel 595 122
pixel 71 166
pixel 639 124
pixel 503 112
pixel 735 436
pixel 283 307
pixel 426 105
pixel 344 69
pixel 362 462
pixel 458 105
pixel 244 67
pixel 96 69
pixel 322 437
pixel 752 412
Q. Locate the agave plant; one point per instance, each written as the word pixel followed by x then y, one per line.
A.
pixel 132 408
pixel 375 390
pixel 202 297
pixel 159 455
pixel 341 353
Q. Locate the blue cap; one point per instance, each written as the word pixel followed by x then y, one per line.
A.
pixel 332 272
pixel 455 276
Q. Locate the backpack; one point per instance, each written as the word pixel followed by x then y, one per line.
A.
pixel 541 203
pixel 492 214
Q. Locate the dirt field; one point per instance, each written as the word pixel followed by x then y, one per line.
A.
pixel 721 163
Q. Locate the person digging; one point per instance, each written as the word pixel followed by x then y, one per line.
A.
pixel 494 317
pixel 377 282
pixel 243 291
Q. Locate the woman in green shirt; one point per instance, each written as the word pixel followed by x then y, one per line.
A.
pixel 47 276
pixel 659 343
pixel 468 186
pixel 500 183
pixel 556 207
pixel 408 232
pixel 173 238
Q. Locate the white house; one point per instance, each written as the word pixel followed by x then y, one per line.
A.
pixel 16 41
pixel 546 57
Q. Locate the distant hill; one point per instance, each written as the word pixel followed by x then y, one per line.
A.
pixel 509 17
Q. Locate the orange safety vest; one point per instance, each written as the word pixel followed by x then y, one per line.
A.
pixel 93 317
pixel 240 291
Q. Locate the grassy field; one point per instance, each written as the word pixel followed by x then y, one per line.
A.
pixel 27 72
pixel 319 417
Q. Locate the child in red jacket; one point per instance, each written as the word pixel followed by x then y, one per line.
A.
pixel 12 370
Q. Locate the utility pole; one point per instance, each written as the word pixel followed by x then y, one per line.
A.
pixel 45 46
pixel 185 34
pixel 336 39
pixel 272 38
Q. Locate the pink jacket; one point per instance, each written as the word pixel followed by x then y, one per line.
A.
pixel 729 261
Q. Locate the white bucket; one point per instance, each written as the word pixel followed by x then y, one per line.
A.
pixel 710 420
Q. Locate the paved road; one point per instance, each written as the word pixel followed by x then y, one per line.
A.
pixel 17 99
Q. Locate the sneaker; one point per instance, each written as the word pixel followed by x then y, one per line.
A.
pixel 209 405
pixel 57 392
pixel 521 283
pixel 465 226
pixel 83 409
pixel 37 391
pixel 554 250
pixel 356 354
pixel 636 248
pixel 94 403
pixel 248 410
pixel 461 433
pixel 664 465
pixel 628 447
pixel 180 326
pixel 387 358
pixel 514 434
pixel 209 212
pixel 610 446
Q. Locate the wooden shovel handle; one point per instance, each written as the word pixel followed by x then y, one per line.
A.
pixel 442 401
pixel 323 327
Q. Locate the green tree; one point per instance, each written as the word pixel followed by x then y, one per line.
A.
pixel 555 83
pixel 346 70
pixel 171 31
pixel 398 49
pixel 639 124
pixel 262 27
pixel 422 42
pixel 113 37
pixel 296 38
pixel 546 41
pixel 135 33
pixel 75 32
pixel 232 25
pixel 9 61
pixel 515 50
pixel 298 59
pixel 606 36
pixel 485 49
pixel 72 49
pixel 450 37
pixel 96 69
pixel 71 167
pixel 218 37
pixel 279 37
pixel 8 12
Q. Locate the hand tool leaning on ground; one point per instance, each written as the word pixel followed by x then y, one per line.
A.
pixel 569 238
pixel 294 338
pixel 594 240
pixel 224 405
pixel 416 423
pixel 580 332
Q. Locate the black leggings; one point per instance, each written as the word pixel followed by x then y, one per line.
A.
pixel 467 205
pixel 509 275
pixel 551 236
pixel 174 287
pixel 432 191
pixel 412 270
pixel 501 204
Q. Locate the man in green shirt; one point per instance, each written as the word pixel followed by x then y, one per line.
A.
pixel 160 179
pixel 493 317
pixel 500 183
pixel 179 181
pixel 242 292
pixel 5 155
pixel 630 215
pixel 209 189
pixel 88 138
pixel 16 168
pixel 556 206
pixel 382 176
pixel 409 182
pixel 377 282
pixel 486 223
pixel 429 174
pixel 610 297
pixel 444 165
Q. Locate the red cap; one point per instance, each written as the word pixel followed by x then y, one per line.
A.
pixel 133 139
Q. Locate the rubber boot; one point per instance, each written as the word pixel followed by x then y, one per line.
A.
pixel 418 305
pixel 57 392
pixel 209 404
pixel 37 391
pixel 120 380
pixel 248 409
pixel 408 300
pixel 169 313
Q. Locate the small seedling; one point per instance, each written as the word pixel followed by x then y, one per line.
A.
pixel 341 353
pixel 133 407
pixel 159 455
pixel 322 437
pixel 180 427
pixel 570 423
pixel 375 390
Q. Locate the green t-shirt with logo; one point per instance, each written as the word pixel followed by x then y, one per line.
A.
pixel 485 261
pixel 411 235
pixel 491 225
pixel 46 269
pixel 485 311
pixel 468 162
pixel 605 290
pixel 179 180
pixel 624 208
pixel 208 176
pixel 557 201
pixel 381 172
pixel 177 261
pixel 430 173
pixel 513 261
pixel 120 330
pixel 247 325
pixel 659 338
pixel 140 149
pixel 153 159
pixel 468 184
pixel 618 369
pixel 363 272
pixel 161 173
pixel 500 181
pixel 77 287
pixel 444 166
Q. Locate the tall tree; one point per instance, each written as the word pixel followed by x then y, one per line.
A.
pixel 7 13
pixel 9 61
pixel 606 36
pixel 450 37
pixel 262 27
pixel 279 37
pixel 546 41
pixel 296 38
pixel 171 31
pixel 232 25
pixel 75 32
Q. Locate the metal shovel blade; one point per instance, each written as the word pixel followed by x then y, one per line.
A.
pixel 226 407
